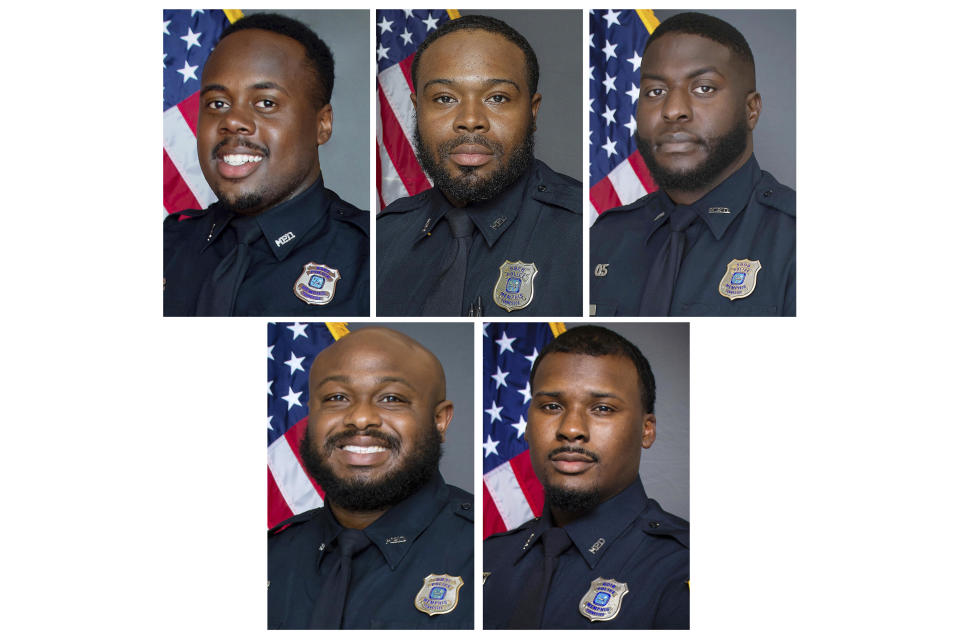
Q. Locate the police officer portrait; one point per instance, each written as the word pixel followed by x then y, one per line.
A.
pixel 357 443
pixel 716 234
pixel 254 227
pixel 500 231
pixel 574 538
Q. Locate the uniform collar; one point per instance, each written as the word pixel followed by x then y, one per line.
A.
pixel 722 205
pixel 283 225
pixel 596 532
pixel 395 532
pixel 492 217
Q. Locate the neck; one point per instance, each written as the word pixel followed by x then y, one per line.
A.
pixel 355 519
pixel 563 518
pixel 691 196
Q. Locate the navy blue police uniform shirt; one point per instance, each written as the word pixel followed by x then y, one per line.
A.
pixel 739 257
pixel 309 256
pixel 628 540
pixel 536 224
pixel 429 533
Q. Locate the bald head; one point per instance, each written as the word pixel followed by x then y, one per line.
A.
pixel 396 354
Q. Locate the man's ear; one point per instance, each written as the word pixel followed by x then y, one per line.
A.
pixel 442 416
pixel 324 123
pixel 649 433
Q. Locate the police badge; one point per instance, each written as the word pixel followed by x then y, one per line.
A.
pixel 603 599
pixel 740 279
pixel 514 289
pixel 439 594
pixel 317 283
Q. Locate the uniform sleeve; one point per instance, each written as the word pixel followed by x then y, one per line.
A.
pixel 673 611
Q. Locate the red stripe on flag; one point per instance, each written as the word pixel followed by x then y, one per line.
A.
pixel 399 149
pixel 406 65
pixel 277 509
pixel 640 168
pixel 294 435
pixel 603 196
pixel 376 150
pixel 176 194
pixel 531 487
pixel 492 522
pixel 190 110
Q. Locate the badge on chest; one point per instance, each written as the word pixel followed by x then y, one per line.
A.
pixel 603 599
pixel 514 288
pixel 317 283
pixel 439 594
pixel 740 279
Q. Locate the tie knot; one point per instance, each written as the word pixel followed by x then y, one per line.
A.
pixel 682 217
pixel 460 223
pixel 350 542
pixel 555 542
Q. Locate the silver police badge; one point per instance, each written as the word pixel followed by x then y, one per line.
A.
pixel 603 599
pixel 740 279
pixel 439 594
pixel 514 289
pixel 317 283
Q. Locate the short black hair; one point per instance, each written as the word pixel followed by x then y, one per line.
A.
pixel 476 22
pixel 591 340
pixel 710 27
pixel 319 57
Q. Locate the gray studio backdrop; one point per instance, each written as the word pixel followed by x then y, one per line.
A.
pixel 556 38
pixel 345 159
pixel 452 343
pixel 772 35
pixel 665 466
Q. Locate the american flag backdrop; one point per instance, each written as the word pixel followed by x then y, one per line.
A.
pixel 188 39
pixel 291 348
pixel 399 33
pixel 511 492
pixel 618 174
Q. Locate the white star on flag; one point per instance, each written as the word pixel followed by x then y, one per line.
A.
pixel 407 36
pixel 293 399
pixel 635 60
pixel 294 363
pixel 608 82
pixel 431 22
pixel 533 356
pixel 610 115
pixel 269 390
pixel 500 377
pixel 612 17
pixel 506 344
pixel 385 25
pixel 610 147
pixel 525 392
pixel 494 412
pixel 609 50
pixel 270 351
pixel 520 426
pixel 490 447
pixel 634 92
pixel 632 125
pixel 188 72
pixel 298 329
pixel 192 39
pixel 382 52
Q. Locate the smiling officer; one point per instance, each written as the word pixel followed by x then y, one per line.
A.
pixel 719 237
pixel 277 242
pixel 500 232
pixel 392 547
pixel 603 555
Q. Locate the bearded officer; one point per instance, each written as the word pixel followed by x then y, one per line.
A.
pixel 500 232
pixel 392 547
pixel 603 555
pixel 277 241
pixel 719 237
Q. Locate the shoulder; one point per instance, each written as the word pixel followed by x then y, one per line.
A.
pixel 404 205
pixel 460 503
pixel 505 537
pixel 657 523
pixel 291 524
pixel 639 214
pixel 770 193
pixel 345 213
pixel 556 189
pixel 182 220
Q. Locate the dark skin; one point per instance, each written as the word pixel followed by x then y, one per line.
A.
pixel 592 403
pixel 473 82
pixel 693 90
pixel 257 111
pixel 374 378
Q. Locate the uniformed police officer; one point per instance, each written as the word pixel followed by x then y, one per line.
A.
pixel 277 242
pixel 719 237
pixel 392 547
pixel 500 232
pixel 603 555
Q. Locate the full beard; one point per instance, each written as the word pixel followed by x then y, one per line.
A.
pixel 361 493
pixel 465 186
pixel 572 500
pixel 722 151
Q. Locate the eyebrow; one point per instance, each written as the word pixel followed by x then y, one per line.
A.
pixel 593 394
pixel 257 85
pixel 692 74
pixel 380 380
pixel 487 83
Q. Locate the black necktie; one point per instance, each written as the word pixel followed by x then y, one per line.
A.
pixel 447 298
pixel 529 612
pixel 658 294
pixel 218 294
pixel 328 609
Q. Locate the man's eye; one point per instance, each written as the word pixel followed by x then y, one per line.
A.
pixel 392 398
pixel 335 397
pixel 216 104
pixel 498 99
pixel 655 93
pixel 704 89
pixel 266 104
pixel 551 406
pixel 603 408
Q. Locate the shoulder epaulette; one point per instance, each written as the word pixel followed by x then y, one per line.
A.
pixel 297 519
pixel 403 205
pixel 771 193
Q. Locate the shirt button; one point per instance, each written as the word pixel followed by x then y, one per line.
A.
pixel 768 193
pixel 654 524
pixel 542 188
pixel 466 506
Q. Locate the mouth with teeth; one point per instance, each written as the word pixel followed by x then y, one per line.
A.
pixel 354 450
pixel 236 166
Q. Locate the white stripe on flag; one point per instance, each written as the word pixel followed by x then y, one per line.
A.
pixel 505 490
pixel 397 92
pixel 181 145
pixel 593 215
pixel 391 186
pixel 293 483
pixel 626 183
